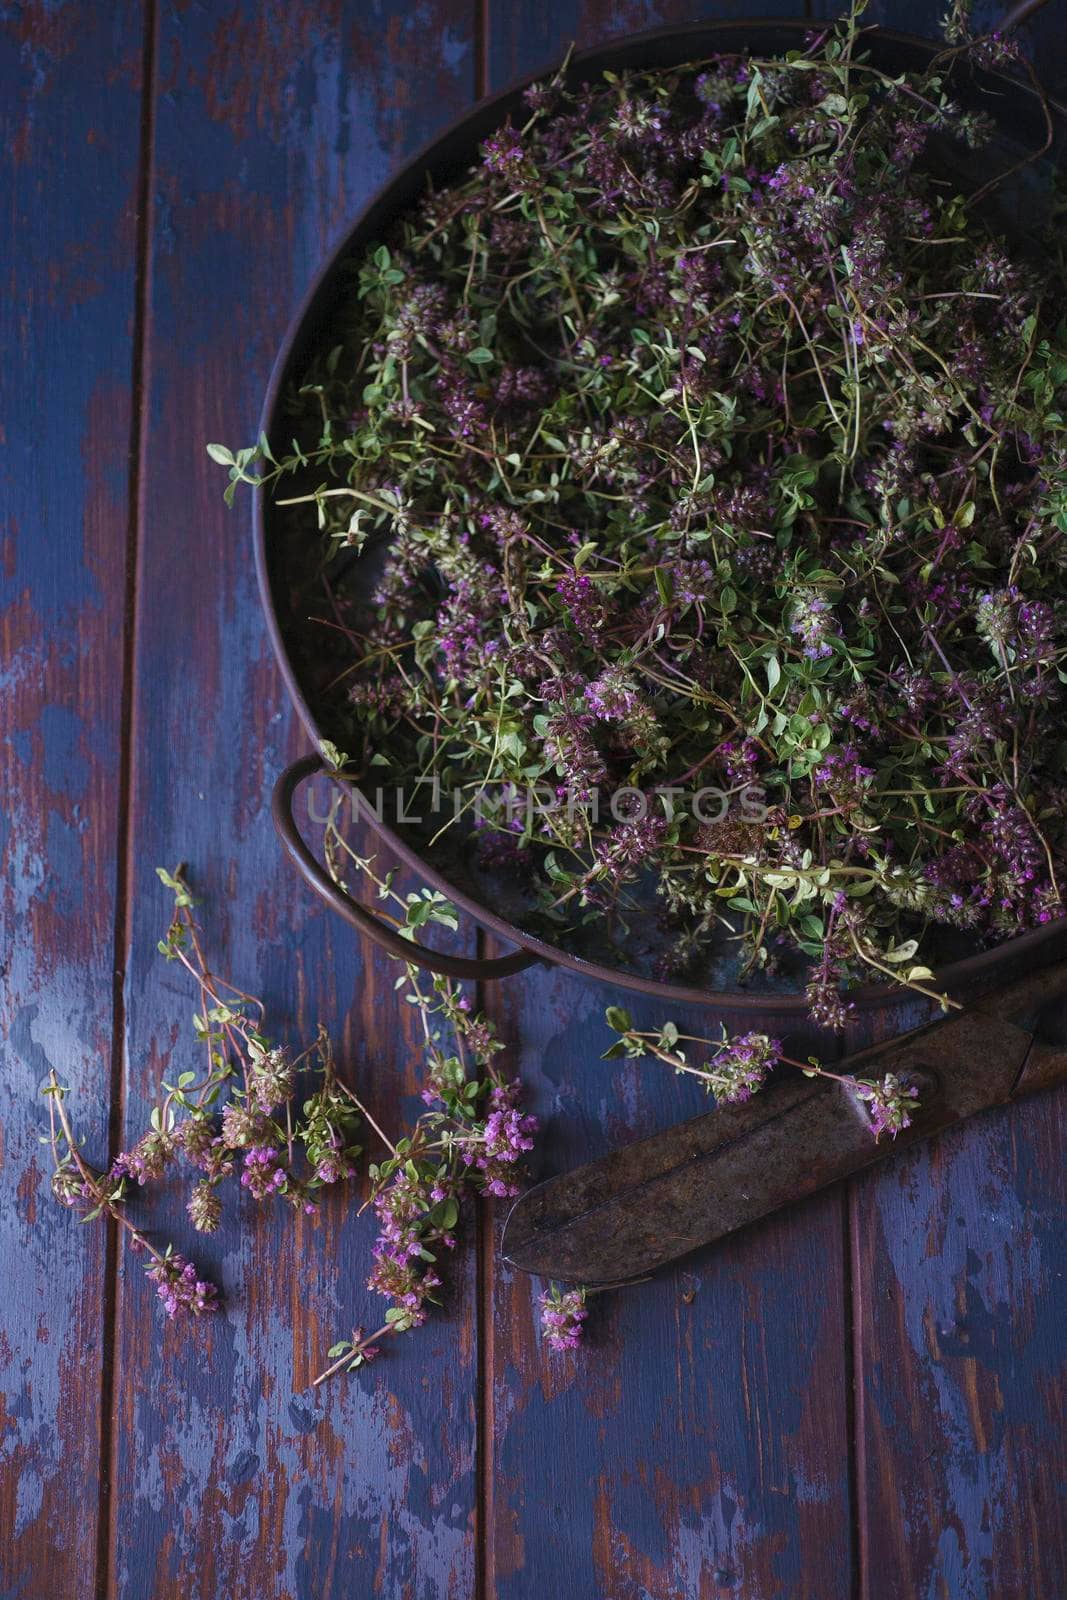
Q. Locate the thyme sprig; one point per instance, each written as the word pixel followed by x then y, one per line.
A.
pixel 737 1067
pixel 287 1126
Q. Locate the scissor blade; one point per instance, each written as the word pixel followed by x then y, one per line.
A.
pixel 631 1211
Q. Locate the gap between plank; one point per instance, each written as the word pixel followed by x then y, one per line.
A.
pixel 484 1291
pixel 124 840
pixel 483 1237
pixel 481 49
pixel 855 1401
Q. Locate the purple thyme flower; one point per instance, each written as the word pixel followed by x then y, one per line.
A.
pixel 1036 622
pixel 402 1209
pixel 407 1288
pixel 812 619
pixel 628 844
pixel 71 1189
pixel 507 1135
pixel 241 1126
pixel 909 140
pixel 264 1171
pixel 981 721
pixel 611 697
pixel 740 761
pixel 845 776
pixel 332 1166
pixel 568 743
pixel 562 1316
pixel 890 1104
pixel 419 314
pixel 996 50
pixel 205 1148
pixel 463 407
pixel 996 618
pixel 693 582
pixel 586 612
pixel 637 119
pixel 508 1131
pixel 329 1135
pixel 520 387
pixel 503 154
pixel 148 1158
pixel 179 1288
pixel 828 1007
pixel 270 1078
pixel 740 1067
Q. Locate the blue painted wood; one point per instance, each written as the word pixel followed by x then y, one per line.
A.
pixel 70 100
pixel 709 1442
pixel 273 123
pixel 961 1262
pixel 523 39
pixel 699 1445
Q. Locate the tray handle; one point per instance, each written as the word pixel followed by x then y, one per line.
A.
pixel 386 937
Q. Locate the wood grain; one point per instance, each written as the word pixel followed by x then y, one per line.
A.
pixel 961 1264
pixel 272 125
pixel 699 1447
pixel 712 1441
pixel 524 39
pixel 70 103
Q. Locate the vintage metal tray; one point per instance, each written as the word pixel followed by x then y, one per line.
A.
pixel 285 558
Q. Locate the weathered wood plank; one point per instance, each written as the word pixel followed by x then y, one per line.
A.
pixel 699 1446
pixel 526 38
pixel 961 1264
pixel 272 124
pixel 70 99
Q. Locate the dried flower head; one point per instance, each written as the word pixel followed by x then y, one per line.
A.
pixel 890 1104
pixel 270 1077
pixel 563 1314
pixel 205 1207
pixel 182 1292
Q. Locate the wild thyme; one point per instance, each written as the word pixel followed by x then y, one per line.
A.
pixel 93 1194
pixel 563 1314
pixel 736 1067
pixel 287 1127
pixel 716 440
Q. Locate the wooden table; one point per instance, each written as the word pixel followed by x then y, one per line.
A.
pixel 856 1399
